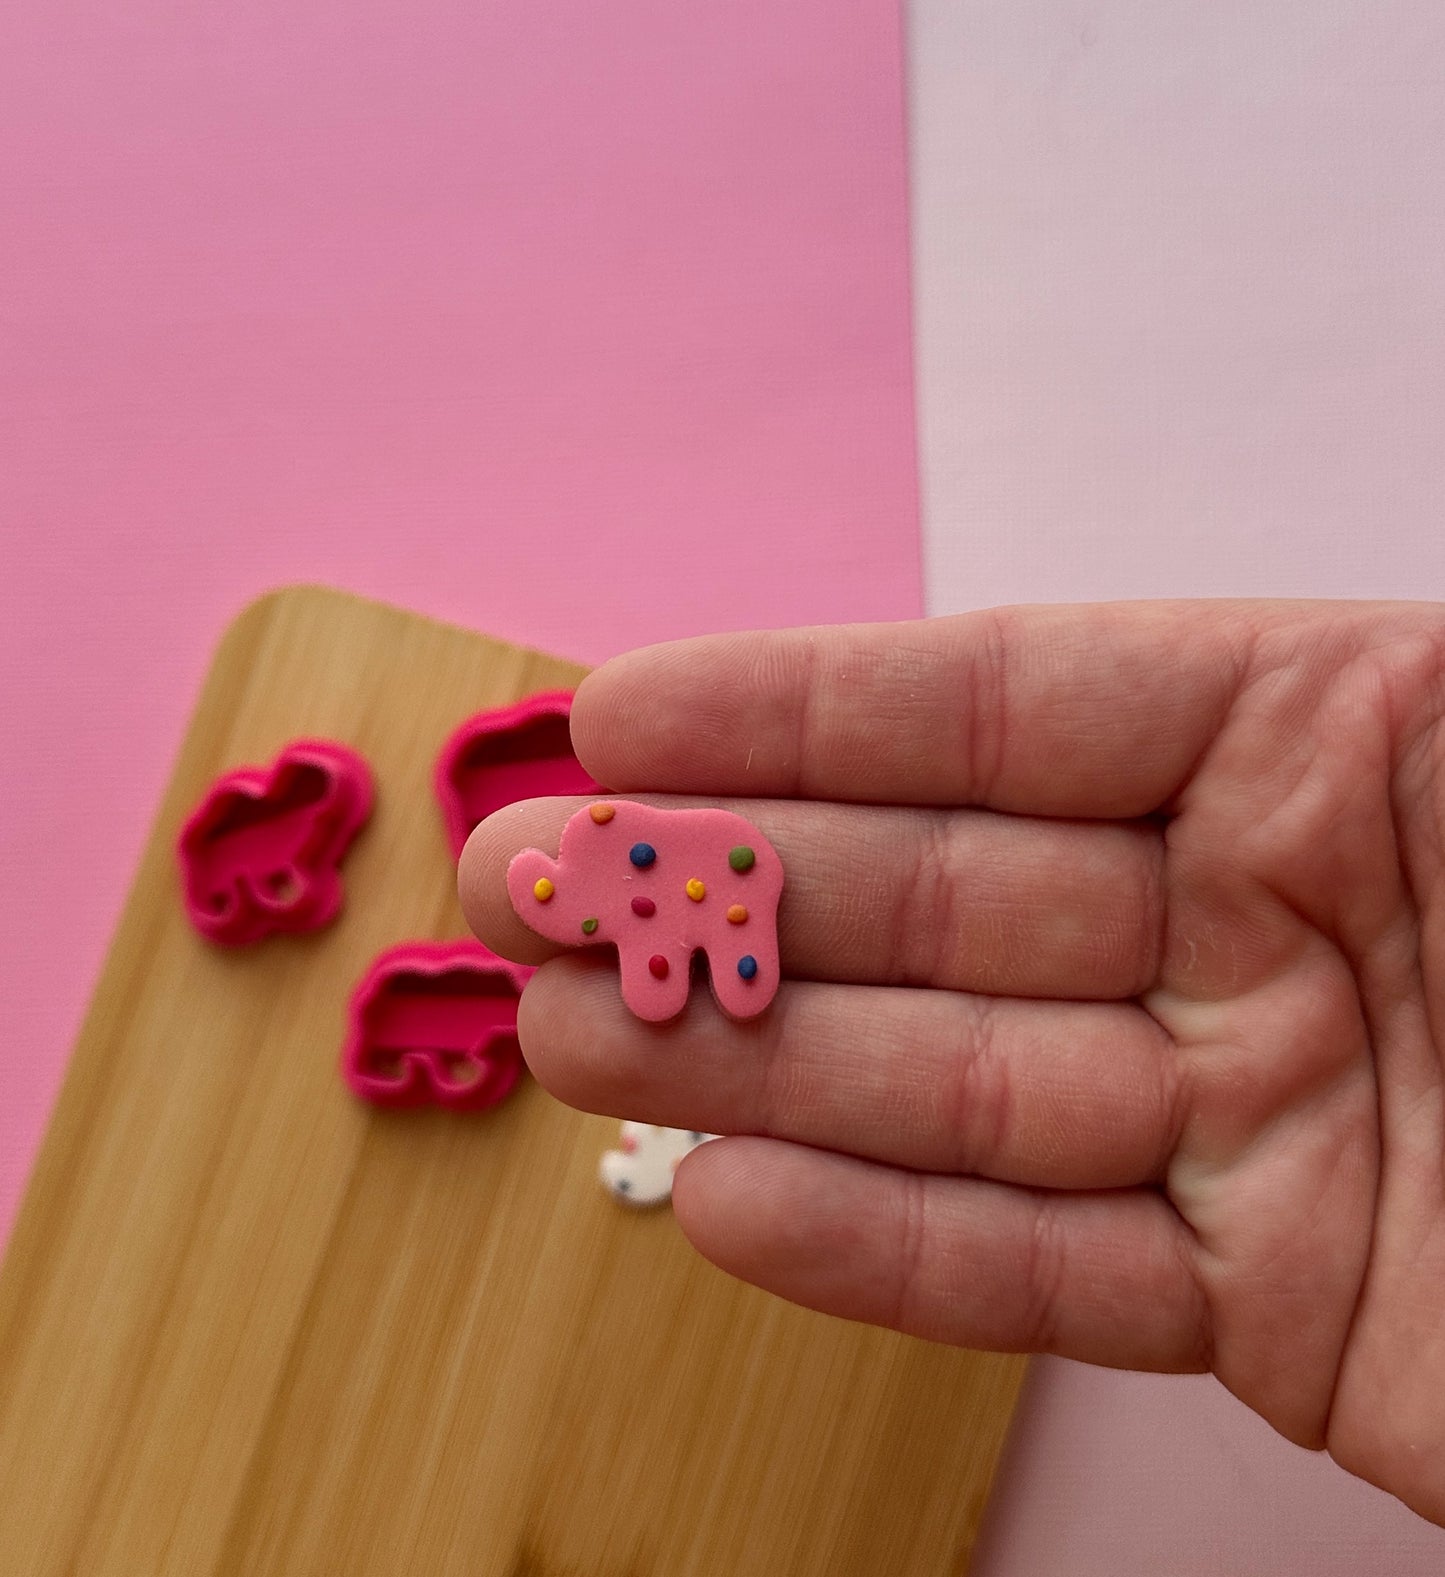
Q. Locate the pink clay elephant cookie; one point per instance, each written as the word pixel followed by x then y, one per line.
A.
pixel 661 885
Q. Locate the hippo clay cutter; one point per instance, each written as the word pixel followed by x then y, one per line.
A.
pixel 510 753
pixel 262 851
pixel 435 1024
pixel 661 885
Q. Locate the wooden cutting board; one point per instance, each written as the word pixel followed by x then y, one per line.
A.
pixel 247 1325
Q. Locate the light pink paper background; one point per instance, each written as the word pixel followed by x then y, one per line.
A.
pixel 1180 285
pixel 583 324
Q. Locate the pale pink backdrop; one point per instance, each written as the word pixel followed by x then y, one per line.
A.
pixel 583 324
pixel 1180 284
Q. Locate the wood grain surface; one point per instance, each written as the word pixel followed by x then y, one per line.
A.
pixel 247 1325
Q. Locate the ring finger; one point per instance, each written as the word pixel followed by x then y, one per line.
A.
pixel 929 1080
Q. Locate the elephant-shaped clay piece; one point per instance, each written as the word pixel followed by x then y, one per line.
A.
pixel 639 1172
pixel 262 852
pixel 661 885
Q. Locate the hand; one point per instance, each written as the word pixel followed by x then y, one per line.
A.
pixel 1114 1016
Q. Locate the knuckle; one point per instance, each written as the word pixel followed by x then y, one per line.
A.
pixel 980 1099
pixel 987 715
pixel 1044 1270
pixel 909 1309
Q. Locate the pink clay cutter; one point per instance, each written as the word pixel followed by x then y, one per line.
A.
pixel 435 1024
pixel 262 852
pixel 498 757
pixel 661 886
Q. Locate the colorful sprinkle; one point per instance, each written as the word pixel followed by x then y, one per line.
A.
pixel 658 965
pixel 696 891
pixel 741 858
pixel 644 907
pixel 543 889
pixel 642 855
pixel 602 814
pixel 747 966
pixel 588 927
pixel 737 913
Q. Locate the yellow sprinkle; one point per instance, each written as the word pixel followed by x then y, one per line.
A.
pixel 737 914
pixel 543 889
pixel 695 890
pixel 602 814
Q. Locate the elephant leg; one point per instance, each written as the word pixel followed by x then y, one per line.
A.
pixel 655 983
pixel 744 974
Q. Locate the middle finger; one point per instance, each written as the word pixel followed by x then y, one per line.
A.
pixel 963 900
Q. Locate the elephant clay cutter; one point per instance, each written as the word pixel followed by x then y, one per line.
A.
pixel 262 852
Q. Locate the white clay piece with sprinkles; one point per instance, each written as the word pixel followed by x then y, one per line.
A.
pixel 640 1171
pixel 660 886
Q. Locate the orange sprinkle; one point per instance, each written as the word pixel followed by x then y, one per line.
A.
pixel 602 814
pixel 737 914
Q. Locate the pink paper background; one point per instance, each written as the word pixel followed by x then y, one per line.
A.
pixel 583 324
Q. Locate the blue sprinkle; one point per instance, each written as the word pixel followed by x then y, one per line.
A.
pixel 747 966
pixel 642 855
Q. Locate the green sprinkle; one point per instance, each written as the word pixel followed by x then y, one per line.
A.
pixel 741 858
pixel 588 927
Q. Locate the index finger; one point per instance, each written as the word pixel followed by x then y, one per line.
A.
pixel 1091 711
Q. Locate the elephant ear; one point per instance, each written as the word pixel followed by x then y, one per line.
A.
pixel 532 885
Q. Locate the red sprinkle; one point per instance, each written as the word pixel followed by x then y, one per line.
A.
pixel 646 908
pixel 657 964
